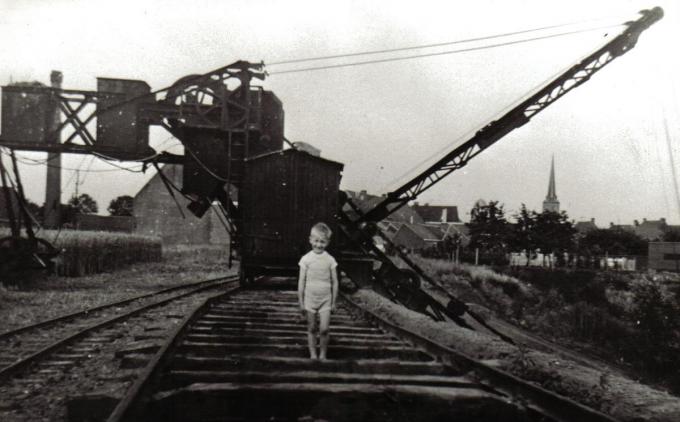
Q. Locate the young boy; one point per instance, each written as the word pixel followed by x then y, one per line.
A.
pixel 318 288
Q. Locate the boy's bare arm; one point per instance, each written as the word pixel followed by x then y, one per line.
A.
pixel 334 277
pixel 302 281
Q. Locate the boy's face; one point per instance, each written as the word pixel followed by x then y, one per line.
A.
pixel 318 241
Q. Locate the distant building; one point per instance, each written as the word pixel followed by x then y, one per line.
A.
pixel 664 256
pixel 366 202
pixel 417 236
pixel 437 213
pixel 651 229
pixel 624 227
pixel 157 214
pixel 551 203
pixel 583 227
pixel 415 227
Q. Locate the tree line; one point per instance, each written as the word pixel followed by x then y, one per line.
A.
pixel 84 204
pixel 492 237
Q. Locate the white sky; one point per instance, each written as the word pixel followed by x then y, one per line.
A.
pixel 611 154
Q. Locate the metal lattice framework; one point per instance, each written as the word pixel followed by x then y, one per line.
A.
pixel 515 118
pixel 219 100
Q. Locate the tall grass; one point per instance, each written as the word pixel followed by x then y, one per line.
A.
pixel 90 252
pixel 476 274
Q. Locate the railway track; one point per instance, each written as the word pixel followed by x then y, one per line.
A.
pixel 243 357
pixel 62 342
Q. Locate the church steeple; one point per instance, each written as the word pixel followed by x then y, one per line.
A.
pixel 551 203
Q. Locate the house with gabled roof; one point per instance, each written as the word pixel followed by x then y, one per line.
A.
pixel 651 229
pixel 417 236
pixel 366 202
pixel 437 213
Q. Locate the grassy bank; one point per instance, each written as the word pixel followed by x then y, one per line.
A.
pixel 631 319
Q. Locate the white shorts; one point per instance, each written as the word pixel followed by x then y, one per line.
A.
pixel 318 298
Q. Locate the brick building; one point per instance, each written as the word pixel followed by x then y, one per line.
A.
pixel 157 214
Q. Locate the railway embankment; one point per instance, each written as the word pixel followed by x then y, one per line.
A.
pixel 556 366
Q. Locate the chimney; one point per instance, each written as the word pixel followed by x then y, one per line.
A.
pixel 636 222
pixel 52 219
pixel 362 195
pixel 415 204
pixel 611 224
pixel 592 220
pixel 644 220
pixel 663 220
pixel 444 214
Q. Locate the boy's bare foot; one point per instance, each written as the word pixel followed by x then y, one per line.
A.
pixel 322 357
pixel 313 356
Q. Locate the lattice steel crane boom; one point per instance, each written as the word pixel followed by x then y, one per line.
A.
pixel 515 118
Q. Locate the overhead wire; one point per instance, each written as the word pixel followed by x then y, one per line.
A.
pixel 420 47
pixel 292 61
pixel 87 171
pixel 441 53
pixel 420 166
pixel 73 175
pixel 32 162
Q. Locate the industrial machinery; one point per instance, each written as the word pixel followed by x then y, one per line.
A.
pixel 232 132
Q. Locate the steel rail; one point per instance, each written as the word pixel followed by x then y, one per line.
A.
pixel 86 312
pixel 27 361
pixel 126 406
pixel 555 406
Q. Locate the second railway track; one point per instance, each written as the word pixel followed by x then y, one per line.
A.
pixel 21 346
pixel 45 356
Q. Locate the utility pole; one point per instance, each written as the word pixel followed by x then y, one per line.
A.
pixel 75 195
pixel 53 182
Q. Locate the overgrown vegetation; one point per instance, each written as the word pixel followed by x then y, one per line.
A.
pixel 50 296
pixel 90 252
pixel 628 319
pixel 86 252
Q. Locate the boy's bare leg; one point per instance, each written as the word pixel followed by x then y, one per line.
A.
pixel 324 324
pixel 311 334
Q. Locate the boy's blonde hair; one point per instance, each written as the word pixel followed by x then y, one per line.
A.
pixel 322 229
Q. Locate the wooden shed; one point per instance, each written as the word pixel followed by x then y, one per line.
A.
pixel 283 195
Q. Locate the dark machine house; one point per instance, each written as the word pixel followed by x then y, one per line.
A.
pixel 233 134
